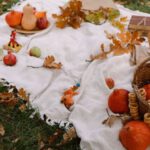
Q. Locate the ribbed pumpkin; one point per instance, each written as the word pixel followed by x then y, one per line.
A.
pixel 14 18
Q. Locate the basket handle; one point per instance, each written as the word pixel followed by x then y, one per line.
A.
pixel 140 66
pixel 145 61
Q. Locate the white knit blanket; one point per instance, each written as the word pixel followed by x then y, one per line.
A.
pixel 72 48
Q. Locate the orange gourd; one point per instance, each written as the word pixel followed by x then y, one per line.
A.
pixel 118 101
pixel 14 18
pixel 135 135
pixel 40 14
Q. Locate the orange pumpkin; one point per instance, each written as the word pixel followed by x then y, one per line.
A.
pixel 147 89
pixel 118 101
pixel 110 83
pixel 40 14
pixel 14 18
pixel 135 135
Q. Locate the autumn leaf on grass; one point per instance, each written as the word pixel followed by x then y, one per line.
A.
pixel 22 93
pixel 22 107
pixel 2 130
pixel 49 62
pixel 8 99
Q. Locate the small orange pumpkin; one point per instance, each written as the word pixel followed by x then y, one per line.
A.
pixel 14 18
pixel 40 14
pixel 118 101
pixel 135 135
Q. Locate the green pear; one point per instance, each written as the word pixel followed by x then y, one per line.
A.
pixel 35 51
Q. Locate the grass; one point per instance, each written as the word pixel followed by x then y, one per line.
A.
pixel 23 132
pixel 5 5
pixel 141 5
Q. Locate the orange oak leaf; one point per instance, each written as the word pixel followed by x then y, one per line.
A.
pixel 49 62
pixel 22 93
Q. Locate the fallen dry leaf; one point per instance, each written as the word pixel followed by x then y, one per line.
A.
pixel 123 19
pixel 22 93
pixel 8 99
pixel 110 120
pixel 2 130
pixel 22 107
pixel 49 62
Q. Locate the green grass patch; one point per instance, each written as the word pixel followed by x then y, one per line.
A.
pixel 5 5
pixel 25 131
pixel 141 5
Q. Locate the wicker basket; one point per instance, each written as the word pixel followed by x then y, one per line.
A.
pixel 141 78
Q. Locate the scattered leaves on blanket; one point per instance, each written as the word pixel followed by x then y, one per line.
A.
pixel 22 107
pixel 68 94
pixel 71 15
pixel 2 130
pixel 121 43
pixel 110 120
pixel 102 55
pixel 23 94
pixel 123 19
pixel 118 25
pixel 49 62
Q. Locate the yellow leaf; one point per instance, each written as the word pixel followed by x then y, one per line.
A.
pixel 22 93
pixel 123 19
pixel 2 130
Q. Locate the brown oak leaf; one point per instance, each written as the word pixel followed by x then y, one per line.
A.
pixel 49 62
pixel 110 120
pixel 2 130
pixel 22 93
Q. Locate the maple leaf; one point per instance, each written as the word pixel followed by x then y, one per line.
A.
pixel 22 93
pixel 2 130
pixel 49 63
